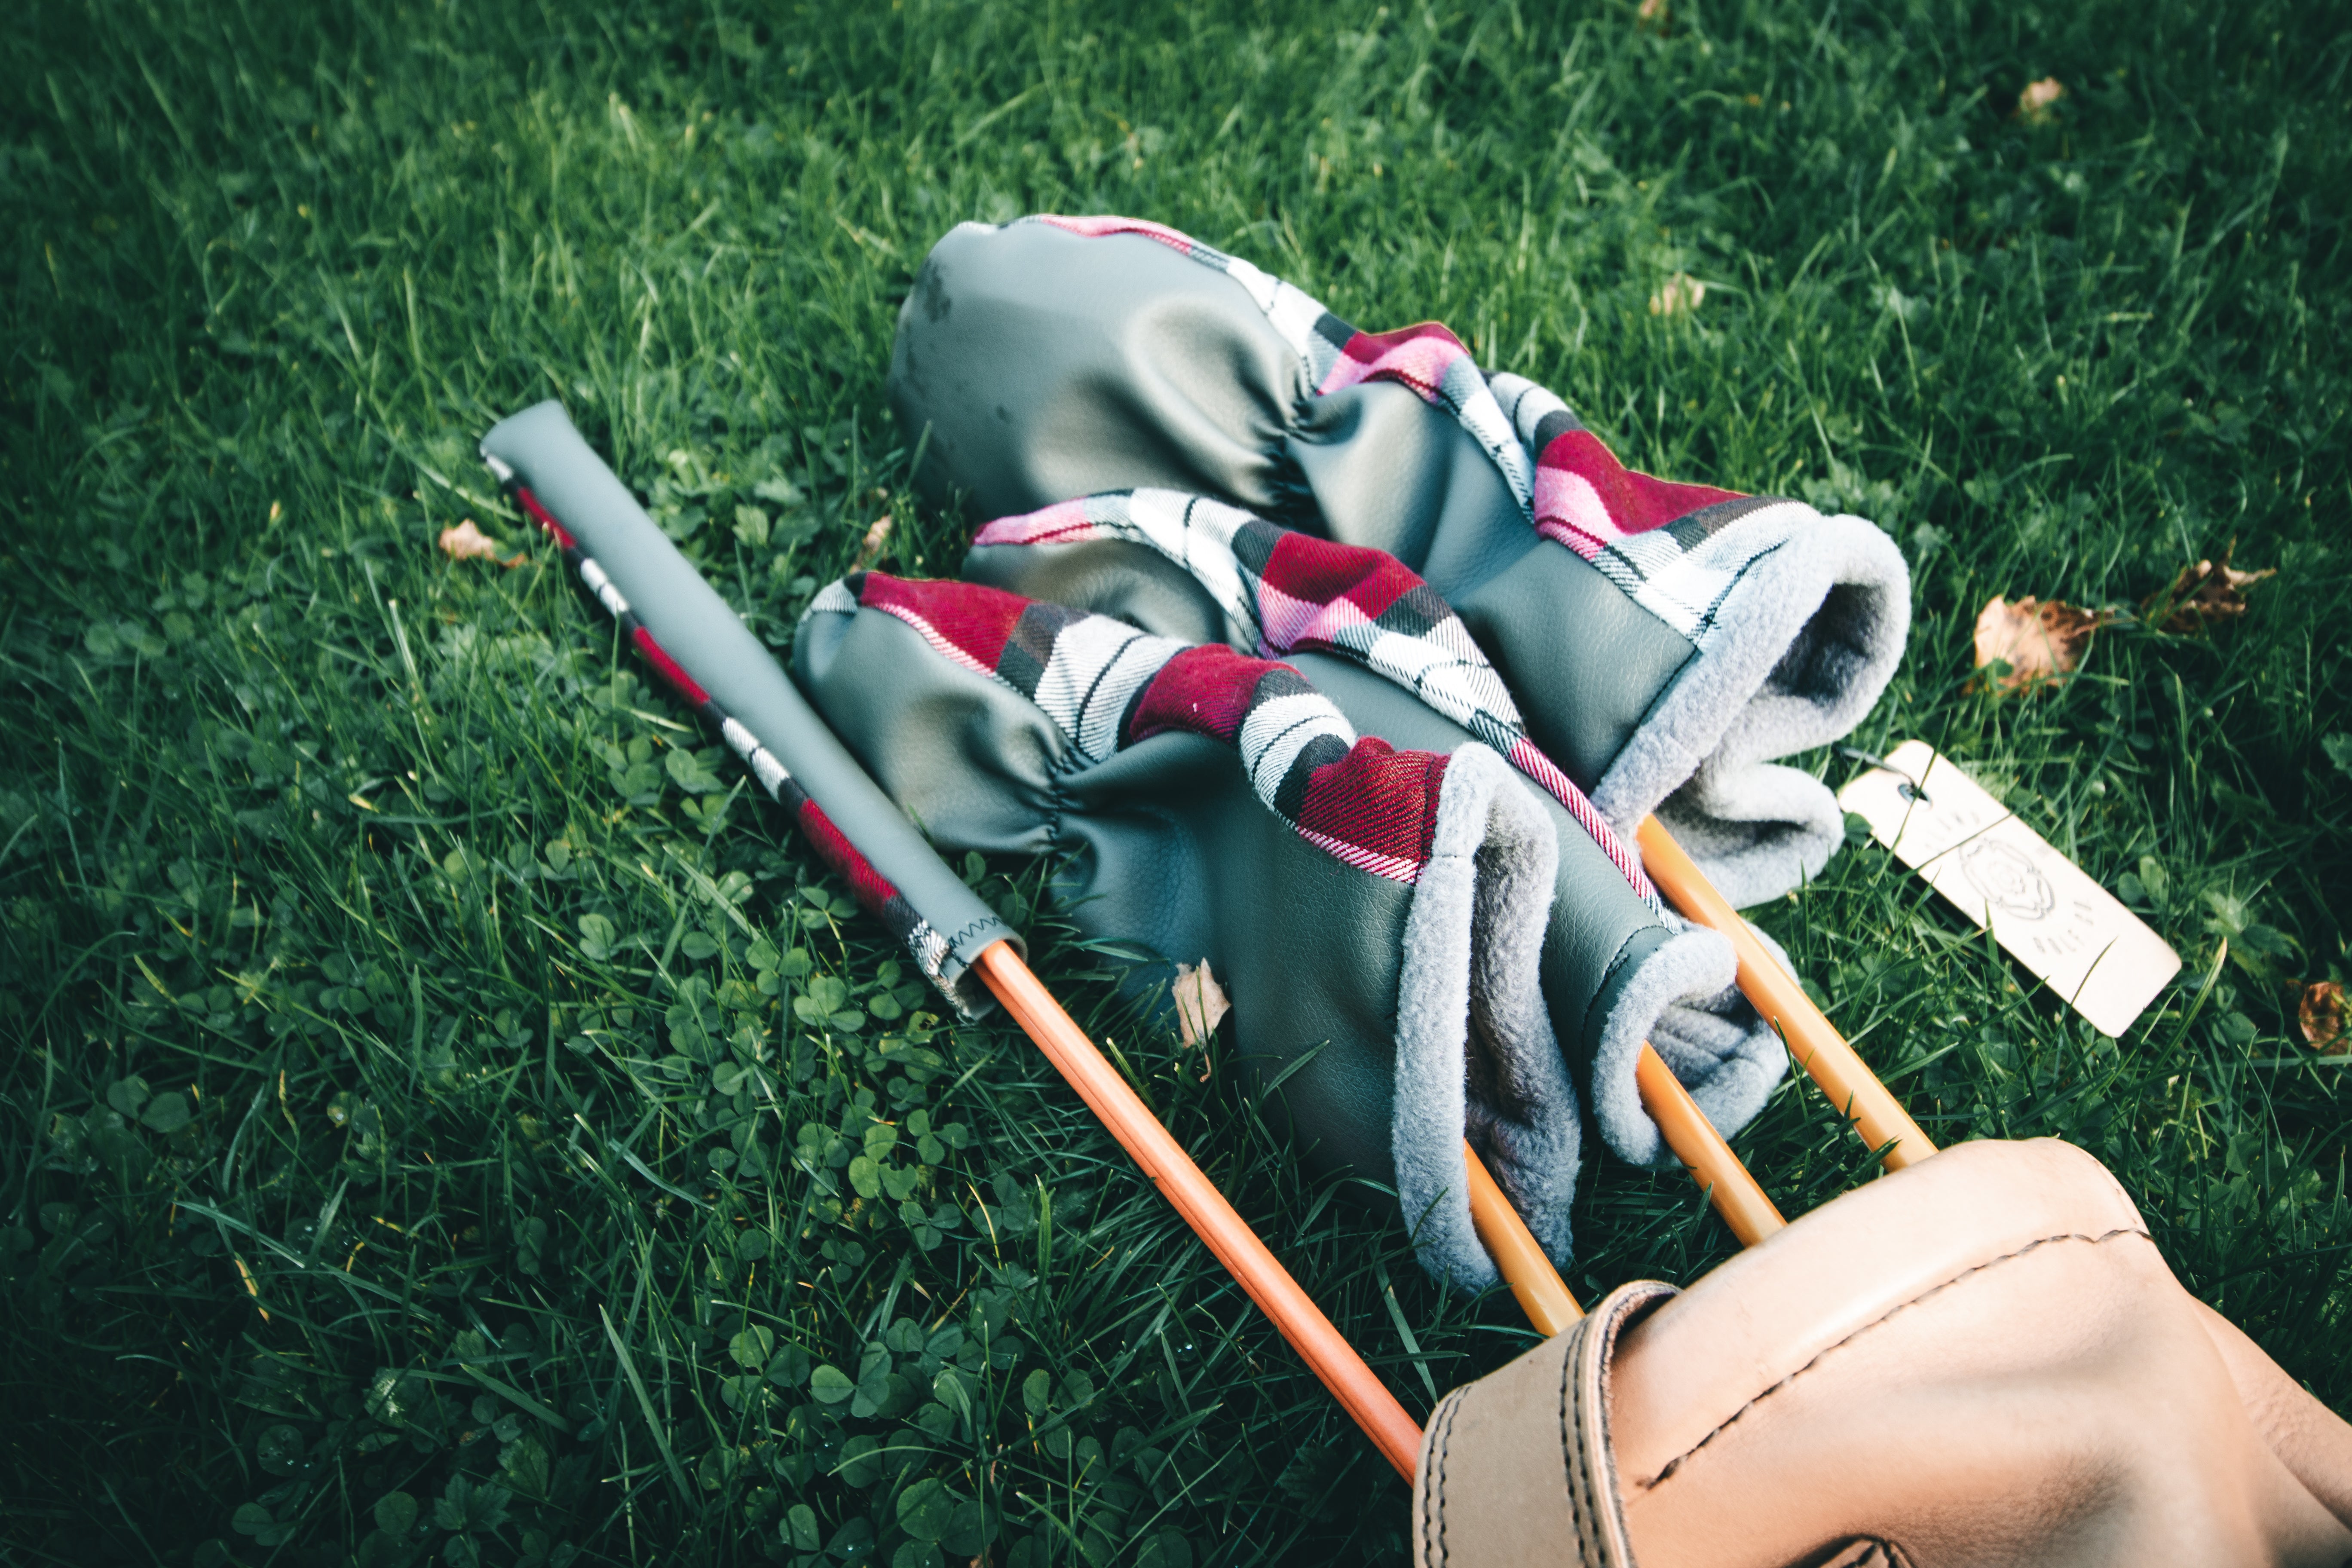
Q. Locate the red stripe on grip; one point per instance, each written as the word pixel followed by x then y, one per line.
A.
pixel 686 686
pixel 545 520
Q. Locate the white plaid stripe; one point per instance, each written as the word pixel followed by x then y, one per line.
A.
pixel 1526 405
pixel 1687 588
pixel 1095 666
pixel 763 763
pixel 1473 403
pixel 601 586
pixel 1273 733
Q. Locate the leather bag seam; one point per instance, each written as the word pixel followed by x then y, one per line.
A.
pixel 1571 1448
pixel 1443 1455
pixel 1667 1469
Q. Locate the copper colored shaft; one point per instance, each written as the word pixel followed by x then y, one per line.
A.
pixel 1734 1192
pixel 1182 1184
pixel 1819 1049
pixel 1542 1293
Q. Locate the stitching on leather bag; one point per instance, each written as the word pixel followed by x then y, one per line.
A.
pixel 1611 1540
pixel 1676 1462
pixel 1440 1452
pixel 1571 1436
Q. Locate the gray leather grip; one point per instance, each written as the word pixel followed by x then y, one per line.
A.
pixel 542 450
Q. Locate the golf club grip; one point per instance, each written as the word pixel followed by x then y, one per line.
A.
pixel 1189 1190
pixel 1819 1049
pixel 689 635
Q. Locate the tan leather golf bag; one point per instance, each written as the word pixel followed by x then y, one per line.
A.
pixel 1979 1361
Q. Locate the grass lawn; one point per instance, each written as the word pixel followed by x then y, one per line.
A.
pixel 379 1180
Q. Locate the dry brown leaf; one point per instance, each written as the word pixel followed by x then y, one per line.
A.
pixel 1201 1002
pixel 878 538
pixel 2033 105
pixel 2039 641
pixel 1678 296
pixel 2203 594
pixel 2321 1015
pixel 467 542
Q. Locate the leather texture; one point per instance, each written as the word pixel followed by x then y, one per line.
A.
pixel 1038 365
pixel 1980 1360
pixel 1517 1468
pixel 1048 366
pixel 1164 848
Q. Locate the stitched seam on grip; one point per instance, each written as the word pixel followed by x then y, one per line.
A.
pixel 972 928
pixel 1675 1463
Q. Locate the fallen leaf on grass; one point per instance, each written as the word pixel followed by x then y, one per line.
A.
pixel 1678 296
pixel 1200 1001
pixel 2039 641
pixel 2035 103
pixel 2203 594
pixel 2321 1015
pixel 467 543
pixel 877 539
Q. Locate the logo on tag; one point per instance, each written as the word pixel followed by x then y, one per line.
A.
pixel 2006 878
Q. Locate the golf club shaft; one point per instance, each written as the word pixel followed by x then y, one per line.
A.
pixel 1735 1193
pixel 1541 1293
pixel 1736 1196
pixel 1819 1049
pixel 679 624
pixel 1188 1188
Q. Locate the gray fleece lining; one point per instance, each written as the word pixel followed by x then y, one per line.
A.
pixel 1475 1055
pixel 1794 656
pixel 1683 1000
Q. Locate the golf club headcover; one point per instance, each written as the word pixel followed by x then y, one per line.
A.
pixel 1980 1360
pixel 1386 922
pixel 1196 569
pixel 1665 641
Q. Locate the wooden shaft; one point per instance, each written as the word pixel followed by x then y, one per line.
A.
pixel 1360 1392
pixel 1819 1049
pixel 1542 1293
pixel 1734 1192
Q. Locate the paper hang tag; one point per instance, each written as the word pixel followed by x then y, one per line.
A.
pixel 2005 876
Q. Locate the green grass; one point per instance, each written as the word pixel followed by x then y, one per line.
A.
pixel 364 914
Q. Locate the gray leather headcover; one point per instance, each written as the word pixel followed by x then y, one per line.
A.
pixel 1399 1017
pixel 1039 366
pixel 1614 975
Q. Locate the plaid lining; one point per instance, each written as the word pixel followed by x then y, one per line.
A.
pixel 1107 685
pixel 875 892
pixel 1671 548
pixel 1298 592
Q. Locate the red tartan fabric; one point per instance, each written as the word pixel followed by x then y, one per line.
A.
pixel 658 655
pixel 1379 798
pixel 977 621
pixel 1418 356
pixel 869 887
pixel 1320 571
pixel 1629 501
pixel 1204 690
